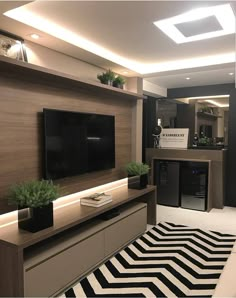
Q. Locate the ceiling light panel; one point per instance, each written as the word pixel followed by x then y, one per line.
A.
pixel 209 24
pixel 223 13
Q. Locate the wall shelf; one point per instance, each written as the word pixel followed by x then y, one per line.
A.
pixel 32 72
pixel 208 115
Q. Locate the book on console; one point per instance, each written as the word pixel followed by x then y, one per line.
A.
pixel 96 199
pixel 98 204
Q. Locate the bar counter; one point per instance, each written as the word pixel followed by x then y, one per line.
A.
pixel 216 160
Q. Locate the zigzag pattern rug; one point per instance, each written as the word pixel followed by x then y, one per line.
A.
pixel 168 261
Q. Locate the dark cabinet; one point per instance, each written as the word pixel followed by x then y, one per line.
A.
pixel 194 185
pixel 182 183
pixel 167 181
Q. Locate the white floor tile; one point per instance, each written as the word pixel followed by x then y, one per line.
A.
pixel 226 285
pixel 221 220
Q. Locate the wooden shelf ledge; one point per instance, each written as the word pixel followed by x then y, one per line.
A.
pixel 73 215
pixel 26 70
pixel 208 115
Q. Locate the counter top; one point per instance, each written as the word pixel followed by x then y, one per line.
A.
pixel 220 147
pixel 196 154
pixel 215 158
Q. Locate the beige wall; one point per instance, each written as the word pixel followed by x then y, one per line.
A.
pixel 153 89
pixel 220 123
pixel 48 58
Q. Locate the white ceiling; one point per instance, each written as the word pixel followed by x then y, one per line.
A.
pixel 126 28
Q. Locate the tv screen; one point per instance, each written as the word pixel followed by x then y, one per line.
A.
pixel 77 143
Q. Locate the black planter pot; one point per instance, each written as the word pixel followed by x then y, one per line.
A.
pixel 138 182
pixel 117 85
pixel 35 219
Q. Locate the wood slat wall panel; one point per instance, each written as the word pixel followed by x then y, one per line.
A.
pixel 21 105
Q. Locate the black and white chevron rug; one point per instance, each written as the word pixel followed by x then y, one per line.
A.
pixel 168 261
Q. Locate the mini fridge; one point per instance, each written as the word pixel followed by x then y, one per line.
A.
pixel 166 178
pixel 194 185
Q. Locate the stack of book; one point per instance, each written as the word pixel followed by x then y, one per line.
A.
pixel 96 200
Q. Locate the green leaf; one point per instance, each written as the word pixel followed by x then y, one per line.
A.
pixel 33 193
pixel 136 168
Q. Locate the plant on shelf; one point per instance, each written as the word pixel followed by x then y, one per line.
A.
pixel 119 82
pixel 204 141
pixel 136 168
pixel 137 174
pixel 34 200
pixel 106 77
pixel 34 193
pixel 206 109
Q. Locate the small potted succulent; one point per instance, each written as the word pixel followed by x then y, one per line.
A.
pixel 137 174
pixel 119 82
pixel 106 77
pixel 34 201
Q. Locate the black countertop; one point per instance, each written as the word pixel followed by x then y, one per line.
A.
pixel 210 147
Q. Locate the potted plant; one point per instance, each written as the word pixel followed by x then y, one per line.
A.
pixel 106 77
pixel 206 109
pixel 204 141
pixel 119 82
pixel 34 201
pixel 137 174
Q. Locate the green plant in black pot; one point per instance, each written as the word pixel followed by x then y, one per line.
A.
pixel 137 174
pixel 34 201
pixel 106 77
pixel 119 82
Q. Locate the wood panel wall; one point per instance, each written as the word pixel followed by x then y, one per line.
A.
pixel 22 99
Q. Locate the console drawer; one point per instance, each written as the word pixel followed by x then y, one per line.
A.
pixel 46 278
pixel 117 235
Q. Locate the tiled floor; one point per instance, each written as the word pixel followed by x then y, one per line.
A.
pixel 221 220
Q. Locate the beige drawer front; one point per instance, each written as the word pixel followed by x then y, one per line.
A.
pixel 55 273
pixel 125 230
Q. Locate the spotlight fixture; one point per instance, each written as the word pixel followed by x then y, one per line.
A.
pixel 34 36
pixel 230 73
pixel 187 78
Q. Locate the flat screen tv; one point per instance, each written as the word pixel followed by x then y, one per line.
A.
pixel 77 143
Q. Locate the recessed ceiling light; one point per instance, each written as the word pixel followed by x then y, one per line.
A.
pixel 125 72
pixel 211 96
pixel 223 13
pixel 187 78
pixel 34 36
pixel 231 73
pixel 217 104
